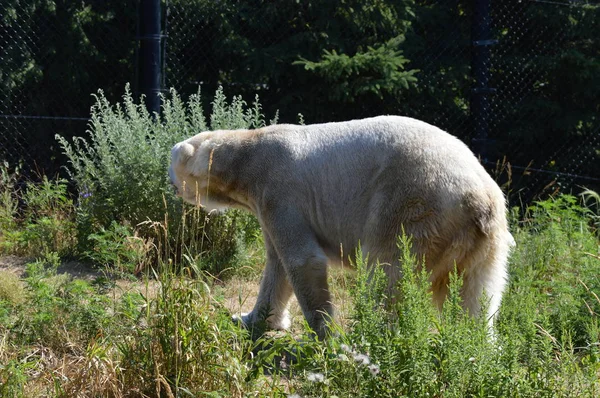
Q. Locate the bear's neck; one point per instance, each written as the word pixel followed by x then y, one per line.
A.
pixel 234 172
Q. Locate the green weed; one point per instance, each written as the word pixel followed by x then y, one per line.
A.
pixel 118 250
pixel 187 345
pixel 11 288
pixel 9 202
pixel 13 379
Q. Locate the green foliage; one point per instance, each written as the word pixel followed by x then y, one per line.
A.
pixel 120 170
pixel 11 290
pixel 12 295
pixel 58 311
pixel 121 175
pixel 562 262
pixel 44 223
pixel 9 202
pixel 591 200
pixel 117 249
pixel 377 70
pixel 13 379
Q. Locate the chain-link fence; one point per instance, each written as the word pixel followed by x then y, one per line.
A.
pixel 518 80
pixel 53 56
pixel 545 113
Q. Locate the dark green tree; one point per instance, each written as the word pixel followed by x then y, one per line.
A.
pixel 326 60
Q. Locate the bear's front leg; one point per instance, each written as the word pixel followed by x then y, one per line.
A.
pixel 305 265
pixel 273 296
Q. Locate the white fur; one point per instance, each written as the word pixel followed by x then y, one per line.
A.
pixel 316 187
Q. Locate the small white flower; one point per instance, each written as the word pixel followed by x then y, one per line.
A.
pixel 362 359
pixel 294 396
pixel 374 369
pixel 315 377
pixel 346 348
pixel 342 357
pixel 472 359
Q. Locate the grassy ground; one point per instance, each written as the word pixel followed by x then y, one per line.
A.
pixel 147 315
pixel 69 330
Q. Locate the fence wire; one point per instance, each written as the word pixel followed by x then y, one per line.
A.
pixel 529 119
pixel 53 56
pixel 541 112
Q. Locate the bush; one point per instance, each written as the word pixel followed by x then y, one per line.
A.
pixel 120 171
pixel 59 312
pixel 558 255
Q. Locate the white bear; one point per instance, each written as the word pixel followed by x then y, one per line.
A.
pixel 316 188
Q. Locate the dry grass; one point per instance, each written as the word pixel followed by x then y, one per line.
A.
pixel 11 287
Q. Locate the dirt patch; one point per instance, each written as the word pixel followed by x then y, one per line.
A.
pixel 75 269
pixel 14 264
pixel 78 270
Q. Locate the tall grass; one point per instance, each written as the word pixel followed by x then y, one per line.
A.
pixel 36 218
pixel 187 344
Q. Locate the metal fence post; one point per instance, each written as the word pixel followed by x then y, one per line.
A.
pixel 480 70
pixel 150 53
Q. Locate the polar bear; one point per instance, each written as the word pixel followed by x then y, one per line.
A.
pixel 316 188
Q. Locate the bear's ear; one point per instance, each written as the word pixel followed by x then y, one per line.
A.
pixel 181 153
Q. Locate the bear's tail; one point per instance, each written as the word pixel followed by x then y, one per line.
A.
pixel 488 212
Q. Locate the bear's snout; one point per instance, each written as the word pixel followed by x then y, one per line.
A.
pixel 172 180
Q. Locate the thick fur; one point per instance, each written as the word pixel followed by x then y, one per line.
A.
pixel 320 187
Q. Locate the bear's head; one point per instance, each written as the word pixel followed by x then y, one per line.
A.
pixel 190 168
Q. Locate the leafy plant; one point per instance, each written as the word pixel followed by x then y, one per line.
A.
pixel 11 289
pixel 12 379
pixel 57 311
pixel 8 198
pixel 378 71
pixel 117 249
pixel 543 344
pixel 591 200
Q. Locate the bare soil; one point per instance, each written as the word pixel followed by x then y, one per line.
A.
pixel 75 269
